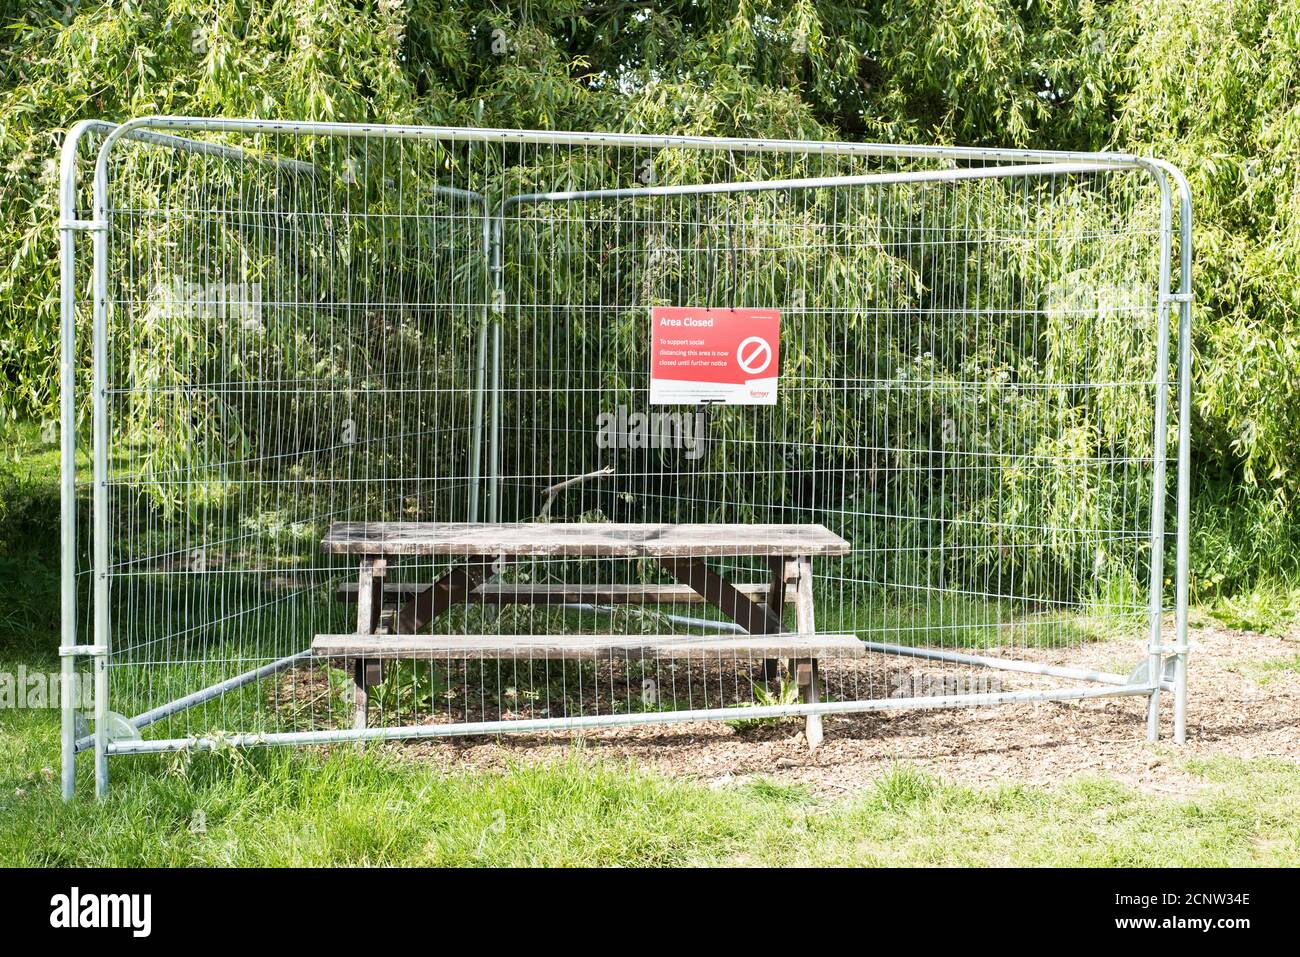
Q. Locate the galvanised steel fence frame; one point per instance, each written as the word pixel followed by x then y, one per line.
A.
pixel 87 644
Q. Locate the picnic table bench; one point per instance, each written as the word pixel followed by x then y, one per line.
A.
pixel 391 617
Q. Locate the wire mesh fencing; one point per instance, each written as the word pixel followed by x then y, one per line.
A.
pixel 297 329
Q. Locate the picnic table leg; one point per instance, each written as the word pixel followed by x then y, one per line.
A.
pixel 370 606
pixel 806 669
pixel 776 605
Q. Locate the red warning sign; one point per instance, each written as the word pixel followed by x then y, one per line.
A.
pixel 728 356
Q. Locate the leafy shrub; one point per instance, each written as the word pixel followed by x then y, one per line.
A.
pixel 1129 75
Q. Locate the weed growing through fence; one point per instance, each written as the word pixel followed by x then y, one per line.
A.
pixel 785 693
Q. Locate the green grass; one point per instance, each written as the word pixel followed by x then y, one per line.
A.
pixel 1265 670
pixel 1269 608
pixel 281 807
pixel 352 806
pixel 961 622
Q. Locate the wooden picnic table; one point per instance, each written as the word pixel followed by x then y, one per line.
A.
pixel 391 618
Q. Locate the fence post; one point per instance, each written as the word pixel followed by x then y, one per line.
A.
pixel 1155 654
pixel 68 227
pixel 99 401
pixel 1184 492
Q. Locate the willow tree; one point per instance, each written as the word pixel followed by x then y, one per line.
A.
pixel 1209 86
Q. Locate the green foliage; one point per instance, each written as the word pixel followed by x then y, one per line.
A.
pixel 408 687
pixel 786 693
pixel 348 806
pixel 904 787
pixel 1210 88
pixel 1270 669
pixel 1268 608
pixel 29 509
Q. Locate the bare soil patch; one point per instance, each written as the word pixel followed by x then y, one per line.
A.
pixel 1235 708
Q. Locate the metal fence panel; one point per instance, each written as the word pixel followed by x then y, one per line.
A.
pixel 302 324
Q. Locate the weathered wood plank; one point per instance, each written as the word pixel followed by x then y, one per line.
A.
pixel 557 594
pixel 347 591
pixel 789 645
pixel 562 539
pixel 601 594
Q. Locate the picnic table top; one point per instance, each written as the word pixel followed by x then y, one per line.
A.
pixel 579 538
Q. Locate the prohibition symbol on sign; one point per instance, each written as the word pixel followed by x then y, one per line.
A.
pixel 754 355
